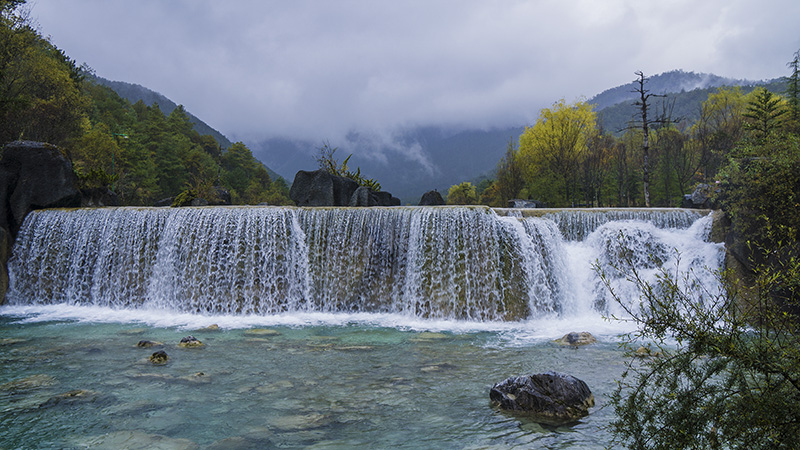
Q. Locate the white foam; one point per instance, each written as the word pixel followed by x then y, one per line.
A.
pixel 515 332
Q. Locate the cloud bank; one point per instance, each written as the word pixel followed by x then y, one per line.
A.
pixel 319 70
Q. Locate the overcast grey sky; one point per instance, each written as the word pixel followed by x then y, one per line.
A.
pixel 317 69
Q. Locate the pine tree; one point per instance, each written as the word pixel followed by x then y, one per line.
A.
pixel 765 112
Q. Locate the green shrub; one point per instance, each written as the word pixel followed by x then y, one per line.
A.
pixel 328 162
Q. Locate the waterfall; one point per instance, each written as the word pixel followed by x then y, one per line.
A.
pixel 463 263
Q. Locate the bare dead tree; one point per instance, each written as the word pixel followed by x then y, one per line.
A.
pixel 641 120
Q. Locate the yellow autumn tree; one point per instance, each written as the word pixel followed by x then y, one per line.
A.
pixel 462 194
pixel 553 149
pixel 718 129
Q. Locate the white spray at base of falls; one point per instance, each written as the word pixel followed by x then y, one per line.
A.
pixel 423 263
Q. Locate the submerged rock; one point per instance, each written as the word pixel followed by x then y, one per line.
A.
pixel 72 397
pixel 550 398
pixel 28 383
pixel 429 336
pixel 190 342
pixel 133 332
pixel 281 385
pixel 261 332
pixel 212 327
pixel 437 367
pixel 199 377
pixel 148 344
pixel 136 440
pixel 241 443
pixel 577 339
pixel 299 422
pixel 354 348
pixel 196 378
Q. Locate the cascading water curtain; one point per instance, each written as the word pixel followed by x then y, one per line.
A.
pixel 464 263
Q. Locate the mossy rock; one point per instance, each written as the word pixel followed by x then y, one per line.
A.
pixel 149 344
pixel 577 339
pixel 190 342
pixel 160 357
pixel 262 332
pixel 645 352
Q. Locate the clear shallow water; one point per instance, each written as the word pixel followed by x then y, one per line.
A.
pixel 387 324
pixel 325 381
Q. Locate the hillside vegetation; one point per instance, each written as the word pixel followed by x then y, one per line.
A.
pixel 134 149
pixel 575 155
pixel 134 93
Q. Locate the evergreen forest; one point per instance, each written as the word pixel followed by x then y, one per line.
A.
pixel 134 149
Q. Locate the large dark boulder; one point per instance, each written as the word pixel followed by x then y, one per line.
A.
pixel 321 188
pixel 551 398
pixel 223 196
pixel 701 198
pixel 431 198
pixel 384 198
pixel 98 197
pixel 5 253
pixel 34 175
pixel 164 202
pixel 364 196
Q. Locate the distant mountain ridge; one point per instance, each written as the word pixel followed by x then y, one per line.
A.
pixel 680 105
pixel 668 82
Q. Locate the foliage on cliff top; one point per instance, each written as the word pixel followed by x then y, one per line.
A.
pixel 134 149
pixel 728 371
pixel 327 161
pixel 711 377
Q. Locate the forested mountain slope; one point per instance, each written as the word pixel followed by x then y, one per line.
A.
pixel 134 92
